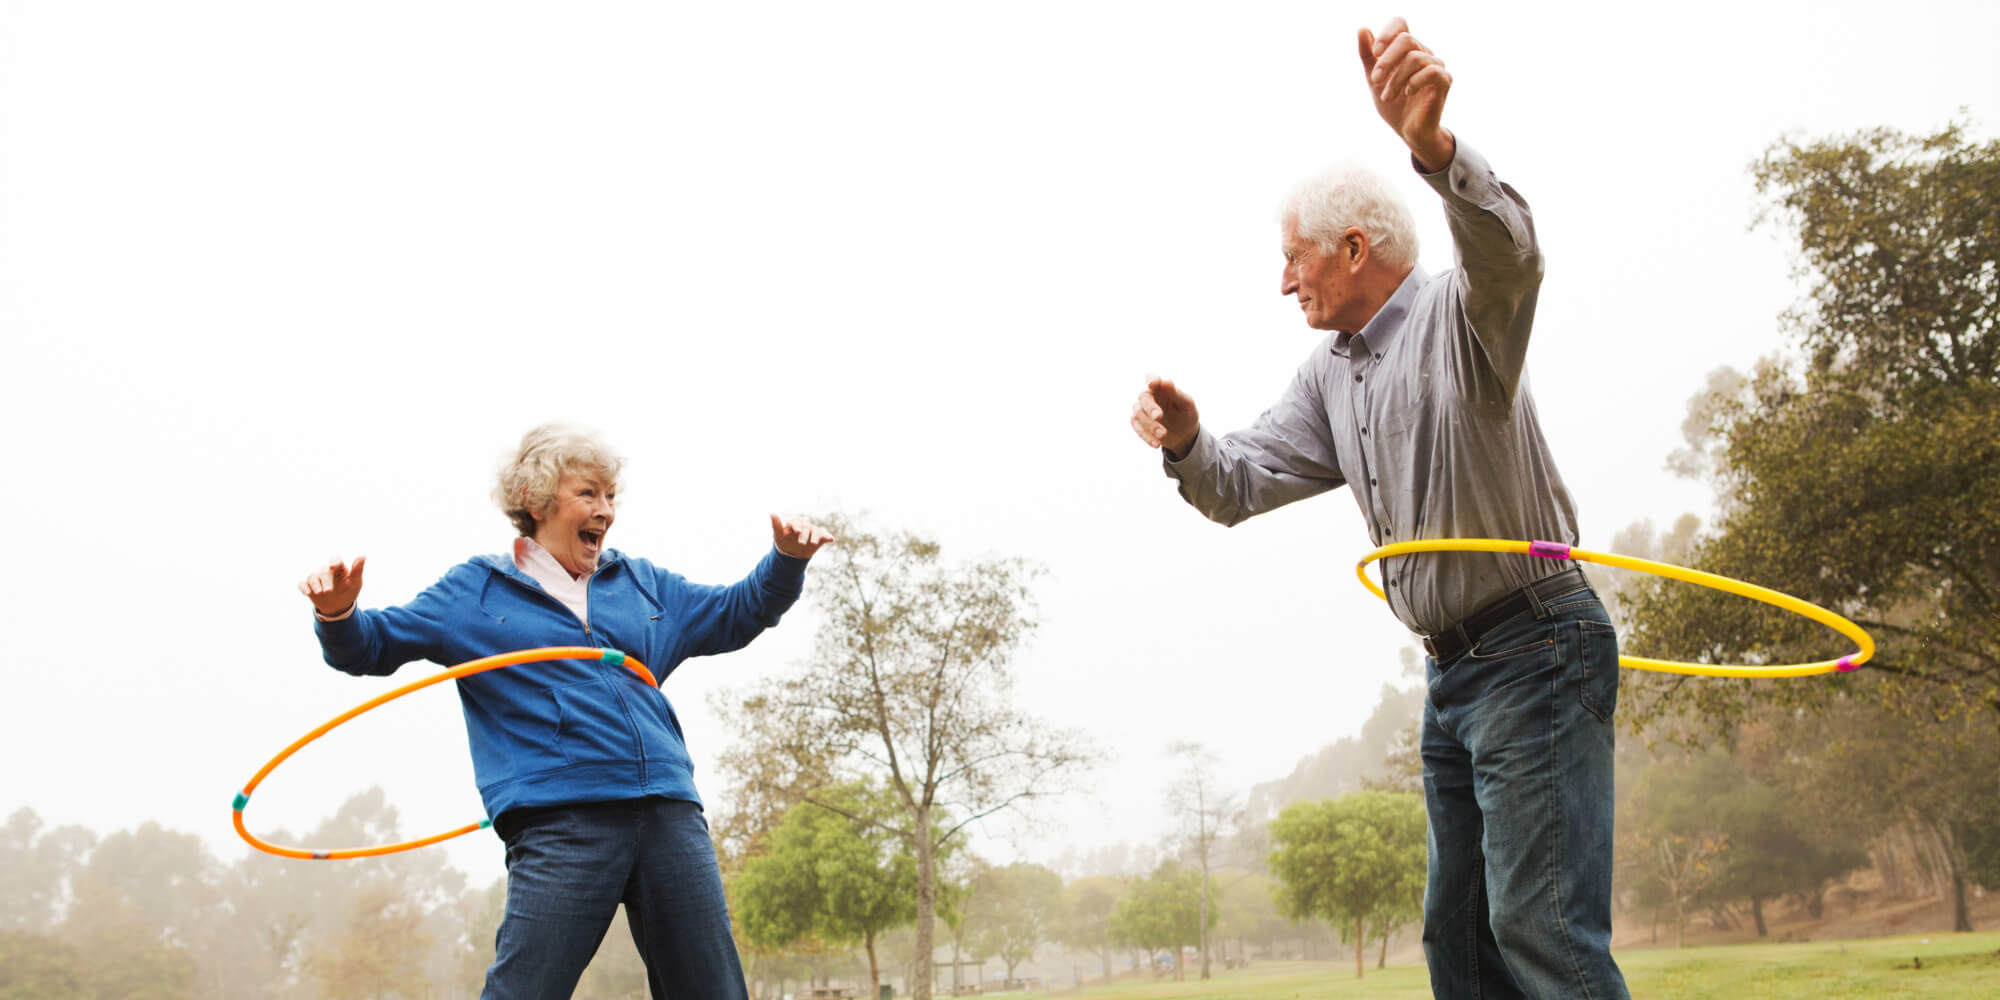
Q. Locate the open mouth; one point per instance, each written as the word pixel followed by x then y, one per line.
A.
pixel 593 539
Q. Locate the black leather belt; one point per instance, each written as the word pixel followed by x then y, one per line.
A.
pixel 1448 644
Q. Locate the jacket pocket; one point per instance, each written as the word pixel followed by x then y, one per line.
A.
pixel 592 725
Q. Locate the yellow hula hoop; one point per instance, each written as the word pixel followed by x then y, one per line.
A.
pixel 1557 550
pixel 478 666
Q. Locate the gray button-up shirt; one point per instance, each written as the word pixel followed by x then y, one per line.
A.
pixel 1425 413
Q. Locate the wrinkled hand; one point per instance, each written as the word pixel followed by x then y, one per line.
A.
pixel 334 589
pixel 1165 417
pixel 797 537
pixel 1409 83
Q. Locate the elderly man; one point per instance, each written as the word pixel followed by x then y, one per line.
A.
pixel 1417 401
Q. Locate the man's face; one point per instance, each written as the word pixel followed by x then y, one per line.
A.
pixel 1325 283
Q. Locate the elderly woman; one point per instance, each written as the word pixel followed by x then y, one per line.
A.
pixel 581 767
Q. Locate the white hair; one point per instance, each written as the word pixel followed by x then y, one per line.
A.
pixel 527 480
pixel 1328 204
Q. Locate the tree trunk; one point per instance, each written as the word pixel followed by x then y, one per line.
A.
pixel 1204 914
pixel 920 986
pixel 1961 916
pixel 1382 960
pixel 1757 914
pixel 1105 953
pixel 874 971
pixel 1680 923
pixel 1360 925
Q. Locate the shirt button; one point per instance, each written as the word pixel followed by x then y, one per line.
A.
pixel 1357 378
pixel 1371 480
pixel 1364 430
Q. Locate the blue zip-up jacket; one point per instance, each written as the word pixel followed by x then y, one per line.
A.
pixel 563 732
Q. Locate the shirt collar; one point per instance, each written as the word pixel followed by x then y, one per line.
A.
pixel 1381 329
pixel 538 562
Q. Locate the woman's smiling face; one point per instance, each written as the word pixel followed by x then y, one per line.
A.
pixel 574 524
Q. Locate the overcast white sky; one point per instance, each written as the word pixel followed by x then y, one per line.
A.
pixel 279 281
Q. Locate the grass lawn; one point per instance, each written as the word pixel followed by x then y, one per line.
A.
pixel 1950 965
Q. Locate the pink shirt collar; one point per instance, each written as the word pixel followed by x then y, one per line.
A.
pixel 542 567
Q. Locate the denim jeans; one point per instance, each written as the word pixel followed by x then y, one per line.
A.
pixel 568 868
pixel 1517 745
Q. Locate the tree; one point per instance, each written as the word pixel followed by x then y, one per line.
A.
pixel 1087 907
pixel 378 954
pixel 1351 860
pixel 1866 476
pixel 1673 839
pixel 1939 778
pixel 1163 911
pixel 35 967
pixel 910 684
pixel 35 867
pixel 1202 812
pixel 1013 909
pixel 143 904
pixel 828 876
pixel 1349 763
pixel 1785 837
pixel 282 912
pixel 1249 913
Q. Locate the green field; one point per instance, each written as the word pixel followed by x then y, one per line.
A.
pixel 1950 965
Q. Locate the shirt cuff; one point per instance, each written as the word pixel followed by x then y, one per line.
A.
pixel 1469 178
pixel 1199 456
pixel 341 617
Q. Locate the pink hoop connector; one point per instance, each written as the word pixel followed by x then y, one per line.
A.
pixel 1548 550
pixel 1846 663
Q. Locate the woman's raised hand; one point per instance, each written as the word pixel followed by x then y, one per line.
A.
pixel 335 588
pixel 797 537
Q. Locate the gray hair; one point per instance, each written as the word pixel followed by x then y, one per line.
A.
pixel 1327 205
pixel 527 481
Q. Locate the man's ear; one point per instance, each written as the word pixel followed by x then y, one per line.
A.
pixel 1354 244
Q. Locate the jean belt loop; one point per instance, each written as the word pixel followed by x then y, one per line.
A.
pixel 1464 640
pixel 1535 601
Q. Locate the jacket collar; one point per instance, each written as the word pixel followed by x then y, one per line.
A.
pixel 502 563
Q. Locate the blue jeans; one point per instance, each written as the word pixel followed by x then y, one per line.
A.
pixel 1517 744
pixel 568 868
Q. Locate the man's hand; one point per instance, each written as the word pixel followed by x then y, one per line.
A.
pixel 1164 417
pixel 1409 84
pixel 334 589
pixel 797 537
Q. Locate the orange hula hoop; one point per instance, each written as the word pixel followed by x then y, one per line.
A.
pixel 478 666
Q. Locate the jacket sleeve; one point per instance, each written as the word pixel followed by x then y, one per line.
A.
pixel 1286 455
pixel 1499 273
pixel 721 619
pixel 378 641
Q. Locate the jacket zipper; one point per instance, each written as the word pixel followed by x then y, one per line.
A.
pixel 638 746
